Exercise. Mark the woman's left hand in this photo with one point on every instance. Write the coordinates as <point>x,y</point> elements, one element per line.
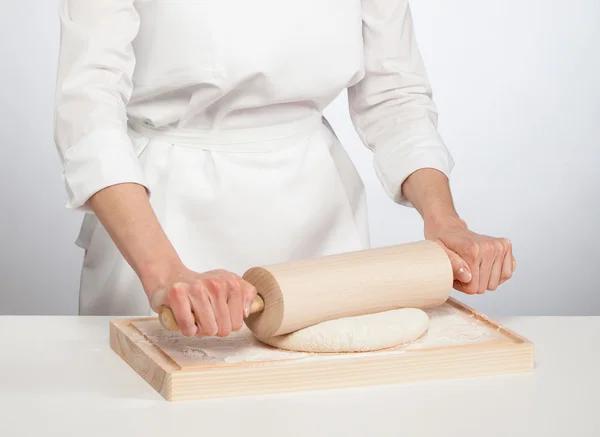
<point>479,262</point>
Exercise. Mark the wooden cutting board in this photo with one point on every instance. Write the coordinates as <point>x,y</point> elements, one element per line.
<point>460,342</point>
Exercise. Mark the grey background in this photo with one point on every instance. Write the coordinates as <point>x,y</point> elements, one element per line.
<point>517,84</point>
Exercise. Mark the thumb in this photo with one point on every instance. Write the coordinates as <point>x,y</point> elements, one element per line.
<point>460,268</point>
<point>157,300</point>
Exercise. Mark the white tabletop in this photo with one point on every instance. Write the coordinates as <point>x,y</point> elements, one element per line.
<point>58,376</point>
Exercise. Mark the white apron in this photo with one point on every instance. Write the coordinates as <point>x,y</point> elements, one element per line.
<point>216,108</point>
<point>232,200</point>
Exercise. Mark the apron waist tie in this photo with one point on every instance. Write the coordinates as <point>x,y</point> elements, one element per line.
<point>259,139</point>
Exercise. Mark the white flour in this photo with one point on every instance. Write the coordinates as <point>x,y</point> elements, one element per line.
<point>448,326</point>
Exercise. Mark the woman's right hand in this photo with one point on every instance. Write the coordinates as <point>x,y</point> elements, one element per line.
<point>210,303</point>
<point>205,304</point>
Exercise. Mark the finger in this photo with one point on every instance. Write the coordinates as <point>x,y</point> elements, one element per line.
<point>508,264</point>
<point>497,264</point>
<point>460,268</point>
<point>181,307</point>
<point>471,254</point>
<point>218,299</point>
<point>235,302</point>
<point>249,295</point>
<point>248,292</point>
<point>485,272</point>
<point>464,288</point>
<point>205,318</point>
<point>496,274</point>
<point>470,287</point>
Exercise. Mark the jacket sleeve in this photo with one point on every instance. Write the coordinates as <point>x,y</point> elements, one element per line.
<point>94,85</point>
<point>391,107</point>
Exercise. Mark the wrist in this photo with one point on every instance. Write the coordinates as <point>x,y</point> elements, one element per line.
<point>156,275</point>
<point>447,222</point>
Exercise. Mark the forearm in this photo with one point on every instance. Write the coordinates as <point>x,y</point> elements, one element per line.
<point>126,214</point>
<point>429,192</point>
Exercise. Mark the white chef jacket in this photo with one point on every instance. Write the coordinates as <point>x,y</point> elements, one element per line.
<point>204,70</point>
<point>212,64</point>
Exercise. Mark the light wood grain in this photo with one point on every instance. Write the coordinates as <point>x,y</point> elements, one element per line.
<point>306,292</point>
<point>330,371</point>
<point>145,358</point>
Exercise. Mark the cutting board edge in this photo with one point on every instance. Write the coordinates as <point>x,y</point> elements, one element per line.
<point>246,379</point>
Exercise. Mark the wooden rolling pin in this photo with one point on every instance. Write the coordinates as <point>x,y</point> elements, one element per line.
<point>299,294</point>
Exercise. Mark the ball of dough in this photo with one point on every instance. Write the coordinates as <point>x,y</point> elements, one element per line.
<point>356,334</point>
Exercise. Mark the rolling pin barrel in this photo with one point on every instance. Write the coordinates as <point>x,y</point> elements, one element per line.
<point>299,294</point>
<point>302,293</point>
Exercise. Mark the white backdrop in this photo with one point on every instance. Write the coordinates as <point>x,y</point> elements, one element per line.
<point>518,87</point>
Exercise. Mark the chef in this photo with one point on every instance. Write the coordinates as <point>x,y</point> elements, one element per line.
<point>191,134</point>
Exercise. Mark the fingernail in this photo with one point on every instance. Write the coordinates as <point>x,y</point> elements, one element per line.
<point>464,275</point>
<point>247,309</point>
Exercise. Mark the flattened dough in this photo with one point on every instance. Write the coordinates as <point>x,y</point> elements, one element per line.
<point>356,334</point>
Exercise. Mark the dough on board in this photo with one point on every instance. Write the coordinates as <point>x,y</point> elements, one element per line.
<point>356,334</point>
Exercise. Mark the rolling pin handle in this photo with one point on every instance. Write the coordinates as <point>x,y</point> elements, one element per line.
<point>257,305</point>
<point>167,319</point>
